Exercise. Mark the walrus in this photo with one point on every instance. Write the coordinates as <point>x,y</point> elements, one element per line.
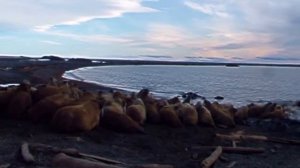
<point>241,114</point>
<point>277,111</point>
<point>6,95</point>
<point>113,107</point>
<point>204,115</point>
<point>111,97</point>
<point>85,96</point>
<point>20,101</point>
<point>169,116</point>
<point>228,108</point>
<point>255,110</point>
<point>136,110</point>
<point>44,110</point>
<point>151,105</point>
<point>152,112</point>
<point>220,114</point>
<point>75,118</point>
<point>119,121</point>
<point>174,100</point>
<point>143,93</point>
<point>46,90</point>
<point>187,113</point>
<point>120,97</point>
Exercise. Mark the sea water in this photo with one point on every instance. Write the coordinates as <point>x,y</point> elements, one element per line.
<point>238,85</point>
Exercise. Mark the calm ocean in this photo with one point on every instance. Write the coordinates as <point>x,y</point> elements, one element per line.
<point>239,85</point>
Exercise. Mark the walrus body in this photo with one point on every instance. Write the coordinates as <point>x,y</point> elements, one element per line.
<point>49,90</point>
<point>255,110</point>
<point>120,122</point>
<point>204,115</point>
<point>169,116</point>
<point>44,110</point>
<point>187,113</point>
<point>152,113</point>
<point>20,101</point>
<point>19,104</point>
<point>151,106</point>
<point>276,111</point>
<point>5,97</point>
<point>220,114</point>
<point>242,113</point>
<point>136,110</point>
<point>74,118</point>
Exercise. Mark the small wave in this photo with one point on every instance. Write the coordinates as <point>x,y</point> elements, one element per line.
<point>72,76</point>
<point>9,84</point>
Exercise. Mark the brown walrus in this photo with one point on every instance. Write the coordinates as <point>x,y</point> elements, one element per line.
<point>174,100</point>
<point>44,110</point>
<point>276,111</point>
<point>20,102</point>
<point>151,105</point>
<point>255,110</point>
<point>241,114</point>
<point>6,95</point>
<point>220,114</point>
<point>204,115</point>
<point>136,110</point>
<point>152,112</point>
<point>119,121</point>
<point>47,90</point>
<point>187,113</point>
<point>79,117</point>
<point>169,116</point>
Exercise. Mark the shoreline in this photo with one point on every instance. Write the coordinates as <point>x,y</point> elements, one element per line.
<point>160,144</point>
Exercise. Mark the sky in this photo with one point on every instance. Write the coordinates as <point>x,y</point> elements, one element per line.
<point>193,30</point>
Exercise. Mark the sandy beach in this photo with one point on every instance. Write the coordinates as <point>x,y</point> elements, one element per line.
<point>159,145</point>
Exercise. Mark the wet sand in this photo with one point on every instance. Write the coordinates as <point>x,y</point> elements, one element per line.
<point>160,144</point>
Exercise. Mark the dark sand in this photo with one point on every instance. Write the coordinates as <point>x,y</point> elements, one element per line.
<point>160,144</point>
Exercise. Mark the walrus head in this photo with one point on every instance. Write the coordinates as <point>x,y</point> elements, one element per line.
<point>25,85</point>
<point>143,93</point>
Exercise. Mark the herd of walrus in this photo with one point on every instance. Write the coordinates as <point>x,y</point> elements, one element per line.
<point>66,108</point>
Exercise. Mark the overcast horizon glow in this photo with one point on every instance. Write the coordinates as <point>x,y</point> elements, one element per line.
<point>193,30</point>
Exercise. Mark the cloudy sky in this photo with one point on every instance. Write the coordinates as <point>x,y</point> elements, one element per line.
<point>199,30</point>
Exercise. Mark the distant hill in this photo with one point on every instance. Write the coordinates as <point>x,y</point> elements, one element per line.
<point>53,58</point>
<point>80,60</point>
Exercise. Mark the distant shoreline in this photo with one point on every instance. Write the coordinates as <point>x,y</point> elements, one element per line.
<point>150,62</point>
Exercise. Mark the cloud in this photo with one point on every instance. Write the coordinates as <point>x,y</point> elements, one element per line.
<point>219,43</point>
<point>230,46</point>
<point>207,8</point>
<point>230,29</point>
<point>51,42</point>
<point>93,38</point>
<point>281,20</point>
<point>165,35</point>
<point>44,14</point>
<point>255,28</point>
<point>157,56</point>
<point>278,58</point>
